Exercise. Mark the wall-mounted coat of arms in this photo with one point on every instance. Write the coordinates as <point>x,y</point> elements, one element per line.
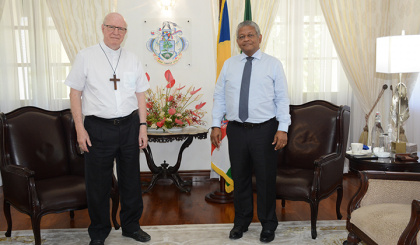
<point>167,44</point>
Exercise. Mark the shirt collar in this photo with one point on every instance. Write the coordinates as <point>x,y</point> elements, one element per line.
<point>109,50</point>
<point>257,55</point>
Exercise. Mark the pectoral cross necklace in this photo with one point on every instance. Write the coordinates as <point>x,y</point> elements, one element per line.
<point>113,79</point>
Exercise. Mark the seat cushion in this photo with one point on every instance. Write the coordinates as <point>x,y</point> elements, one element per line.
<point>294,183</point>
<point>62,193</point>
<point>383,223</point>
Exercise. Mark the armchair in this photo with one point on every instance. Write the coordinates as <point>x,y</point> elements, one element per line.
<point>41,166</point>
<point>385,210</point>
<point>310,167</point>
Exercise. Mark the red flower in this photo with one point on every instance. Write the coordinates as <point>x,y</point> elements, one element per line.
<point>172,111</point>
<point>168,76</point>
<point>171,83</point>
<point>149,105</point>
<point>199,106</point>
<point>170,98</point>
<point>179,121</point>
<point>148,77</point>
<point>195,91</point>
<point>161,123</point>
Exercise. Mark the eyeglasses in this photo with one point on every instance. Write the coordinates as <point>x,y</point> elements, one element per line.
<point>112,28</point>
<point>250,36</point>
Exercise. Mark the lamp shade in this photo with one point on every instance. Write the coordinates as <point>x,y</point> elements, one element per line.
<point>398,54</point>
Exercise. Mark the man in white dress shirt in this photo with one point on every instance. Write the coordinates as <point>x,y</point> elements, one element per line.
<point>107,87</point>
<point>253,137</point>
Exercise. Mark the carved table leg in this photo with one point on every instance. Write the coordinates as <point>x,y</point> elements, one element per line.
<point>165,172</point>
<point>156,171</point>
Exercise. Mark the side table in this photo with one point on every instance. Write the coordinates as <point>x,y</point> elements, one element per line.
<point>382,164</point>
<point>164,171</point>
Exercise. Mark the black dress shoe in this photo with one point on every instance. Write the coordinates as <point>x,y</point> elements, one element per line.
<point>139,235</point>
<point>267,235</point>
<point>96,242</point>
<point>237,232</point>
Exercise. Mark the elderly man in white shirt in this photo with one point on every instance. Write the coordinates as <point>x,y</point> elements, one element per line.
<point>107,87</point>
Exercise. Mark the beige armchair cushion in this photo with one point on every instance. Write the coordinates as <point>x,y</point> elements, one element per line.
<point>391,191</point>
<point>383,223</point>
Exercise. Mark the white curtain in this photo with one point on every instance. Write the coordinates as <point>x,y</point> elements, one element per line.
<point>79,22</point>
<point>354,26</point>
<point>2,2</point>
<point>33,64</point>
<point>301,40</point>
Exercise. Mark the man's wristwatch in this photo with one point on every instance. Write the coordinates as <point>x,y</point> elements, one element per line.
<point>215,127</point>
<point>143,123</point>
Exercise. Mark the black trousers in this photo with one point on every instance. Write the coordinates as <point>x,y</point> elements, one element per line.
<point>250,148</point>
<point>109,142</point>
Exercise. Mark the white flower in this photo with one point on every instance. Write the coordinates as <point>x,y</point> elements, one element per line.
<point>153,125</point>
<point>168,120</point>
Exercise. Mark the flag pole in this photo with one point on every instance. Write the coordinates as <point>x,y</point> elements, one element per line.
<point>220,196</point>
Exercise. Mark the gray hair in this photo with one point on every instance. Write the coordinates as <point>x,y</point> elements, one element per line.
<point>248,23</point>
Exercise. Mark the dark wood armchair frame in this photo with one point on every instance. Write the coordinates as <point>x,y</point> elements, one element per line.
<point>20,182</point>
<point>409,236</point>
<point>323,184</point>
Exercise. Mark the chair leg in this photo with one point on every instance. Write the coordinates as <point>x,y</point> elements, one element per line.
<point>339,199</point>
<point>352,239</point>
<point>283,203</point>
<point>6,210</point>
<point>314,215</point>
<point>36,227</point>
<point>115,197</point>
<point>72,215</point>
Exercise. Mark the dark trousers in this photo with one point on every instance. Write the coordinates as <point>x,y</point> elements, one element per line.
<point>250,148</point>
<point>109,142</point>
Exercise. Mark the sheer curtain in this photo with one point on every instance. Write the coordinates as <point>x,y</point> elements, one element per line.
<point>79,22</point>
<point>301,40</point>
<point>34,63</point>
<point>354,26</point>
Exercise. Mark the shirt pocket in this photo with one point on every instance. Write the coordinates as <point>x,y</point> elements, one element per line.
<point>129,82</point>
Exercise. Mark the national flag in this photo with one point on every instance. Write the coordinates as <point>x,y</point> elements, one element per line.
<point>220,157</point>
<point>248,14</point>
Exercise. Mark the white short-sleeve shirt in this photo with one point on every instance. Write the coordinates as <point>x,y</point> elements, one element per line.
<point>91,74</point>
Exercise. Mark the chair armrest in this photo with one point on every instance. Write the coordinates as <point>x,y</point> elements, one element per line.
<point>18,170</point>
<point>19,187</point>
<point>385,187</point>
<point>409,236</point>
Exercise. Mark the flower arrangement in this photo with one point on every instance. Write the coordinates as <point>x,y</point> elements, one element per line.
<point>169,107</point>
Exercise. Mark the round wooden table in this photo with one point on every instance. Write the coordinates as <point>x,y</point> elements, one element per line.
<point>382,164</point>
<point>164,171</point>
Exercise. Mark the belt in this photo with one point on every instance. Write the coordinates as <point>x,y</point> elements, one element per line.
<point>251,125</point>
<point>114,121</point>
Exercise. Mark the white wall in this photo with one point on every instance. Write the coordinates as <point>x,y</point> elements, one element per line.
<point>200,73</point>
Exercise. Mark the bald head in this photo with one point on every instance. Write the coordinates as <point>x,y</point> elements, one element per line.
<point>114,30</point>
<point>114,16</point>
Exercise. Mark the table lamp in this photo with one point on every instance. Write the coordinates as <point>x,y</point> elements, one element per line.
<point>398,54</point>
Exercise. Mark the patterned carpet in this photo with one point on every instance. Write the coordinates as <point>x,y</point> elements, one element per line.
<point>291,232</point>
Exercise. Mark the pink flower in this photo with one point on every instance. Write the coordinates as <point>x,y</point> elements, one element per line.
<point>199,106</point>
<point>195,91</point>
<point>171,111</point>
<point>170,98</point>
<point>179,88</point>
<point>178,121</point>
